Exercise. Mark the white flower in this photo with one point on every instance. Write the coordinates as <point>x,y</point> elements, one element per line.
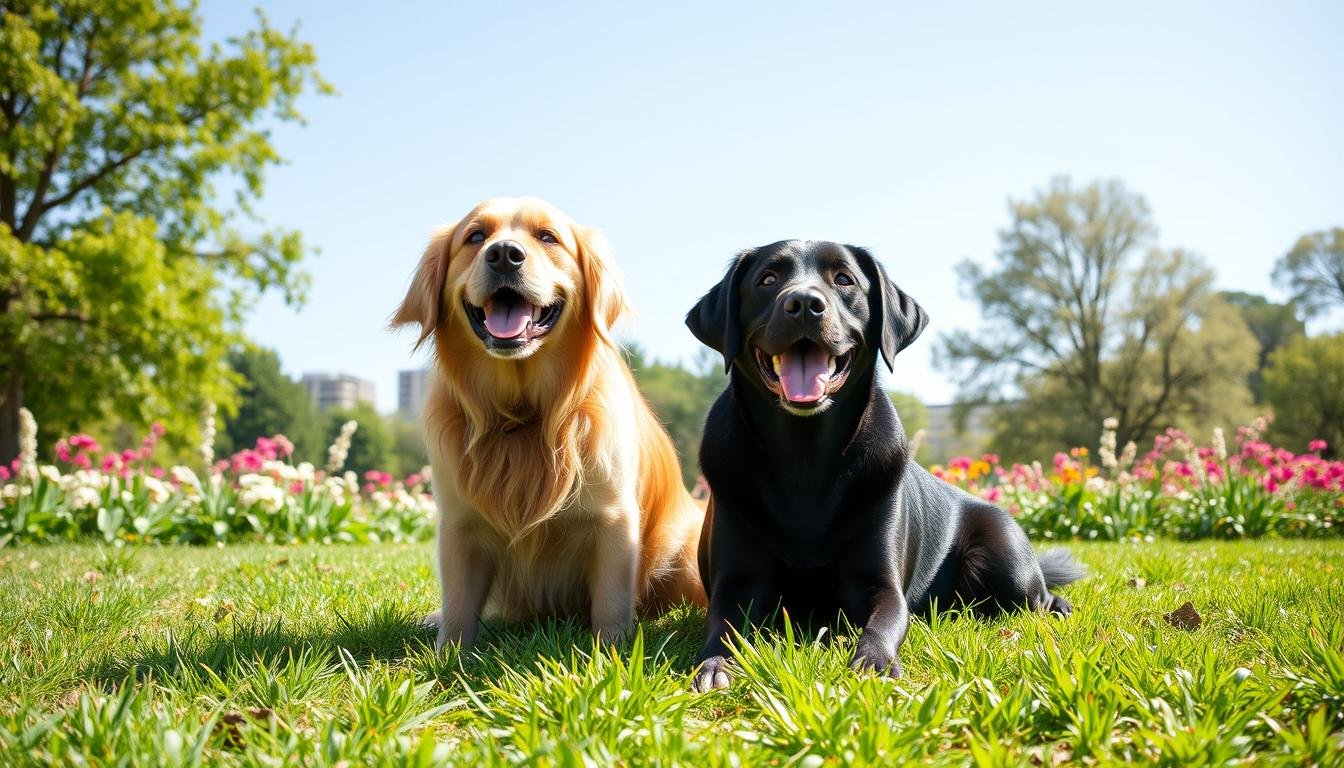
<point>52,474</point>
<point>27,444</point>
<point>1111,423</point>
<point>85,497</point>
<point>185,477</point>
<point>158,491</point>
<point>340,447</point>
<point>207,449</point>
<point>914,442</point>
<point>260,491</point>
<point>1219,444</point>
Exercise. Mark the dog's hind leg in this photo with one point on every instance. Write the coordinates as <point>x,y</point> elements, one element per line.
<point>1000,571</point>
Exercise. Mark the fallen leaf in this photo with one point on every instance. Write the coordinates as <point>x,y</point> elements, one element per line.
<point>222,612</point>
<point>1185,617</point>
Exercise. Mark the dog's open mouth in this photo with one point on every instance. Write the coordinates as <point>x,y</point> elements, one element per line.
<point>804,374</point>
<point>508,321</point>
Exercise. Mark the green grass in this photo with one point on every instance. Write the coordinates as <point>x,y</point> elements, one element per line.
<point>257,655</point>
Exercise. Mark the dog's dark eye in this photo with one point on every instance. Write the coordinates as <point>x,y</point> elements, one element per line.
<point>768,278</point>
<point>476,237</point>
<point>548,236</point>
<point>843,278</point>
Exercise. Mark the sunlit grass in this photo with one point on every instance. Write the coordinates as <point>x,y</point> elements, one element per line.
<point>313,655</point>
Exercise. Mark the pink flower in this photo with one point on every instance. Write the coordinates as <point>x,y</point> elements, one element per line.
<point>992,495</point>
<point>414,479</point>
<point>111,462</point>
<point>378,478</point>
<point>157,430</point>
<point>1316,445</point>
<point>85,443</point>
<point>296,487</point>
<point>157,472</point>
<point>266,447</point>
<point>1270,484</point>
<point>4,474</point>
<point>129,456</point>
<point>82,460</point>
<point>283,445</point>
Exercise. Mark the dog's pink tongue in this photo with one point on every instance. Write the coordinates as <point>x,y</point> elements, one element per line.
<point>804,373</point>
<point>507,319</point>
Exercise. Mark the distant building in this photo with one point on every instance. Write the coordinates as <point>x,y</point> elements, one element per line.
<point>411,389</point>
<point>943,441</point>
<point>337,390</point>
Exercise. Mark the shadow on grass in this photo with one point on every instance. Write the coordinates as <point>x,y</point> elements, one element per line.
<point>387,634</point>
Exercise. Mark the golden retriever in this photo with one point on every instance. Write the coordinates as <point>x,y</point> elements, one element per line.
<point>558,490</point>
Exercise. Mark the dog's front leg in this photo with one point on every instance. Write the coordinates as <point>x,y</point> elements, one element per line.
<point>883,633</point>
<point>613,571</point>
<point>466,571</point>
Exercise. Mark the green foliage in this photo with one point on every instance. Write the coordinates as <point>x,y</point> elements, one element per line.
<point>914,416</point>
<point>269,403</point>
<point>123,277</point>
<point>372,445</point>
<point>1087,326</point>
<point>1314,271</point>
<point>681,398</point>
<point>408,446</point>
<point>1304,384</point>
<point>314,655</point>
<point>1273,326</point>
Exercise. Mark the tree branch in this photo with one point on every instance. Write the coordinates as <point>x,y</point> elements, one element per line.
<point>68,315</point>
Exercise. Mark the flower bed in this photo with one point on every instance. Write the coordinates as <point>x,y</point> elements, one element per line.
<point>1177,489</point>
<point>255,495</point>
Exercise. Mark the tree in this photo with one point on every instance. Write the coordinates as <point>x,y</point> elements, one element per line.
<point>371,447</point>
<point>680,397</point>
<point>1304,383</point>
<point>1085,321</point>
<point>1273,325</point>
<point>408,446</point>
<point>123,277</point>
<point>269,403</point>
<point>1314,271</point>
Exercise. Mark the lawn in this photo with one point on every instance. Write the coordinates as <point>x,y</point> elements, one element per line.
<point>262,655</point>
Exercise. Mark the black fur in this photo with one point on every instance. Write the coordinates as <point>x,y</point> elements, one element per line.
<point>820,509</point>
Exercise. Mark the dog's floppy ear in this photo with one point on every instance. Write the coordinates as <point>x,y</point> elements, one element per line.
<point>424,297</point>
<point>902,319</point>
<point>715,317</point>
<point>603,294</point>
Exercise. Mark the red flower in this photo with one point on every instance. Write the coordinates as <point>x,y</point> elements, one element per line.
<point>1317,445</point>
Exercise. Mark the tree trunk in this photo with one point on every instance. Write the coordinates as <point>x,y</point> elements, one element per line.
<point>9,410</point>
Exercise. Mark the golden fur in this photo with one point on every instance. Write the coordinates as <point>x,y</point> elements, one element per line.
<point>559,491</point>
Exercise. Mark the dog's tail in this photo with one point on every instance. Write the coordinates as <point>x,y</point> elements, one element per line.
<point>1059,568</point>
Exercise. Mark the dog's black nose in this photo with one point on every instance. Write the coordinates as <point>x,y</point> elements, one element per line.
<point>505,256</point>
<point>805,300</point>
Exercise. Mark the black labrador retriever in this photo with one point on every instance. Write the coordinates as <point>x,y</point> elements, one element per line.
<point>817,506</point>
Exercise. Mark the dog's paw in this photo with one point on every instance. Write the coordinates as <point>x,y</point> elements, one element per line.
<point>713,673</point>
<point>612,634</point>
<point>431,620</point>
<point>1058,605</point>
<point>871,656</point>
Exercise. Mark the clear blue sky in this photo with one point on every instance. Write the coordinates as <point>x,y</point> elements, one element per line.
<point>689,131</point>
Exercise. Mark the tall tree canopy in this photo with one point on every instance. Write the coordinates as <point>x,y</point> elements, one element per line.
<point>270,403</point>
<point>1086,320</point>
<point>123,276</point>
<point>1273,326</point>
<point>1314,271</point>
<point>1305,385</point>
<point>680,397</point>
